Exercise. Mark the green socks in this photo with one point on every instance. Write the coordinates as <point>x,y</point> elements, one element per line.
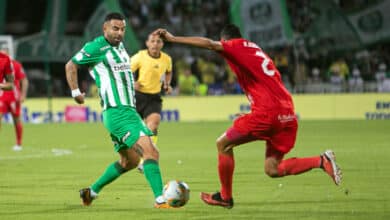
<point>112,172</point>
<point>153,176</point>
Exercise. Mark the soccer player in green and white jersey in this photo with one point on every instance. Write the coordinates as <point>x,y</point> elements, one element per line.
<point>108,64</point>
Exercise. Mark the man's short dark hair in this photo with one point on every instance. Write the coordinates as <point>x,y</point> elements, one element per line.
<point>230,31</point>
<point>114,16</point>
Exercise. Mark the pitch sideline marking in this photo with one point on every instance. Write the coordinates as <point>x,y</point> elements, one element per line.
<point>56,152</point>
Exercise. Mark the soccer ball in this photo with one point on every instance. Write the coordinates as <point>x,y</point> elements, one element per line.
<point>176,193</point>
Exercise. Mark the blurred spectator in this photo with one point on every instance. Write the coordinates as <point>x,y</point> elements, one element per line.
<point>231,85</point>
<point>355,82</point>
<point>283,61</point>
<point>336,81</point>
<point>300,76</point>
<point>188,83</point>
<point>195,70</point>
<point>339,68</point>
<point>315,76</point>
<point>382,77</point>
<point>221,76</point>
<point>208,70</point>
<point>314,84</point>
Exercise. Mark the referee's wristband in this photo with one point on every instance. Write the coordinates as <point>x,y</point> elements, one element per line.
<point>76,92</point>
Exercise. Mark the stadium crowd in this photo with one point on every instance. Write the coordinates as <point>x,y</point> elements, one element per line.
<point>200,72</point>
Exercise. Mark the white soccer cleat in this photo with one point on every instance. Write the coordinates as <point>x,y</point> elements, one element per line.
<point>140,168</point>
<point>17,148</point>
<point>330,167</point>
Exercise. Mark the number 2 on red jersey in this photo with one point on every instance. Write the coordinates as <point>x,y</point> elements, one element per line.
<point>264,64</point>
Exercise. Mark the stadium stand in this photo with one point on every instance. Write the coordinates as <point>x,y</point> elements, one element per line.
<point>305,62</point>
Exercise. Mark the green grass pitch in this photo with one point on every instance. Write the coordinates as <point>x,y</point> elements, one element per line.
<point>43,180</point>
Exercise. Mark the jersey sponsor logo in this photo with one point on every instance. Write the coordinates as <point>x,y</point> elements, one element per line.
<point>121,67</point>
<point>286,118</point>
<point>105,48</point>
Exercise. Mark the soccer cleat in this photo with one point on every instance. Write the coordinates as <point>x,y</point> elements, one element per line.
<point>86,197</point>
<point>328,164</point>
<point>216,199</point>
<point>17,148</point>
<point>162,205</point>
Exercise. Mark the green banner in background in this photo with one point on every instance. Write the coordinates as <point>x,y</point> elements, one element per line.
<point>51,45</point>
<point>372,24</point>
<point>265,22</point>
<point>330,29</point>
<point>60,48</point>
<point>55,19</point>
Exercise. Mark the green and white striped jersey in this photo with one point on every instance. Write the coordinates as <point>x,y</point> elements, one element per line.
<point>109,66</point>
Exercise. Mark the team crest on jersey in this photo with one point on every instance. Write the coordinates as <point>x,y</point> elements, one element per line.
<point>79,56</point>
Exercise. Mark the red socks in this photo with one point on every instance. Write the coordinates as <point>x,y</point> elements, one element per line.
<point>291,166</point>
<point>225,170</point>
<point>19,133</point>
<point>294,166</point>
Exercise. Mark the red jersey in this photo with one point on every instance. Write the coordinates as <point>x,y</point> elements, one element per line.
<point>19,74</point>
<point>257,75</point>
<point>5,66</point>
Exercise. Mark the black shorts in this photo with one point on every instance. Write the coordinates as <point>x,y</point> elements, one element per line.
<point>148,103</point>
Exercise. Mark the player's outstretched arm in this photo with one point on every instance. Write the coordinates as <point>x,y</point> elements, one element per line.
<point>202,42</point>
<point>71,78</point>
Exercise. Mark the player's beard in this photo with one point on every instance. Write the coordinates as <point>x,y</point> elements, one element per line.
<point>115,40</point>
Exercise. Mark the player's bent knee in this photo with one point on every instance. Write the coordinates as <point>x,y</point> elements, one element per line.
<point>151,155</point>
<point>221,145</point>
<point>128,165</point>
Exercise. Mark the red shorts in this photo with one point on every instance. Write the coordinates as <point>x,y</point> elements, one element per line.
<point>10,105</point>
<point>277,128</point>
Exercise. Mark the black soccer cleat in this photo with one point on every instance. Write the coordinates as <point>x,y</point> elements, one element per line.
<point>86,197</point>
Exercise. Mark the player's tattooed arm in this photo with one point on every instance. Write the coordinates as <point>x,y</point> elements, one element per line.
<point>71,78</point>
<point>9,82</point>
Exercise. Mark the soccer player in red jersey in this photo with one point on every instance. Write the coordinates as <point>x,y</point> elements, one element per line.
<point>271,118</point>
<point>10,101</point>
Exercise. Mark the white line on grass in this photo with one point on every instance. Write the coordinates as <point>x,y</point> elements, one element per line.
<point>56,152</point>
